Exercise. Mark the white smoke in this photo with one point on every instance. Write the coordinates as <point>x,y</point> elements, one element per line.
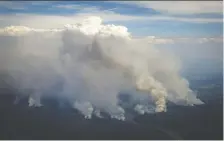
<point>34,100</point>
<point>97,113</point>
<point>142,109</point>
<point>85,107</point>
<point>89,64</point>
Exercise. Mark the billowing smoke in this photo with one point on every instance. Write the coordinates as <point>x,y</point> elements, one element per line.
<point>89,64</point>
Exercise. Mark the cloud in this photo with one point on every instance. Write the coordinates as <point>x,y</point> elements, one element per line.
<point>72,6</point>
<point>58,21</point>
<point>12,5</point>
<point>177,40</point>
<point>81,12</point>
<point>180,7</point>
<point>170,7</point>
<point>206,40</point>
<point>21,30</point>
<point>188,20</point>
<point>22,5</point>
<point>80,8</point>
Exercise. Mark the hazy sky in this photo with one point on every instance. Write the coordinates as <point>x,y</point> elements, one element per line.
<point>189,18</point>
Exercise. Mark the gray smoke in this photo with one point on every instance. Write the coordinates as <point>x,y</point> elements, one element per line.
<point>89,64</point>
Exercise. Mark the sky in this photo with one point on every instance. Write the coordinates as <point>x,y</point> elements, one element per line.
<point>199,20</point>
<point>164,19</point>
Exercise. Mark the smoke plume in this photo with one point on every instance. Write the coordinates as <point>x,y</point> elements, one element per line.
<point>89,64</point>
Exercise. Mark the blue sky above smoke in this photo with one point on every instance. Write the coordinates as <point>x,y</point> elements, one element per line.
<point>157,19</point>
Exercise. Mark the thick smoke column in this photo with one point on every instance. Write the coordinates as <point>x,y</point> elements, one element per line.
<point>89,64</point>
<point>155,88</point>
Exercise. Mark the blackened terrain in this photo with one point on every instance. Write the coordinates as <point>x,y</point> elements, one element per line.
<point>204,122</point>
